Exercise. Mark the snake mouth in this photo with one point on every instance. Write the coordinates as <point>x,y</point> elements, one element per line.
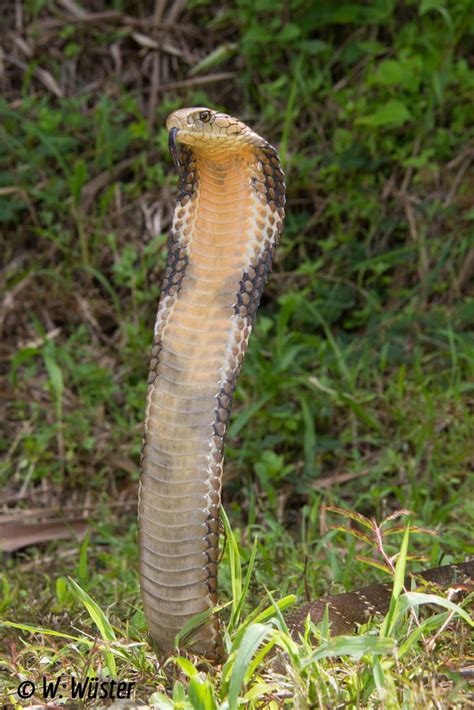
<point>174,148</point>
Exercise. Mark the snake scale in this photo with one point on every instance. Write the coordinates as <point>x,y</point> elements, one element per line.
<point>227,222</point>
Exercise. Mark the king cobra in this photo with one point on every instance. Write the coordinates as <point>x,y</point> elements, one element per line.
<point>227,222</point>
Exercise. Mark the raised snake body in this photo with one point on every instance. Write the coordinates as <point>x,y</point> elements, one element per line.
<point>226,224</point>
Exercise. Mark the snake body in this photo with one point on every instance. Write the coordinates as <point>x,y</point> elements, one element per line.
<point>227,222</point>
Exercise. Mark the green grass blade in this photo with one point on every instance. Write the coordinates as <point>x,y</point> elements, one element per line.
<point>46,632</point>
<point>276,608</point>
<point>235,569</point>
<point>248,576</point>
<point>201,694</point>
<point>398,582</point>
<point>95,612</point>
<point>354,646</point>
<point>191,626</point>
<point>411,600</point>
<point>253,637</point>
<point>186,666</point>
<point>100,620</point>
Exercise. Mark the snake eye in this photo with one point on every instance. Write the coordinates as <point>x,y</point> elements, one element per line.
<point>205,116</point>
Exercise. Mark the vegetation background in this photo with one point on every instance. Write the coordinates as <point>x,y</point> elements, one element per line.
<point>357,390</point>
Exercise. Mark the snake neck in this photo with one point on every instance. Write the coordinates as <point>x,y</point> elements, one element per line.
<point>226,224</point>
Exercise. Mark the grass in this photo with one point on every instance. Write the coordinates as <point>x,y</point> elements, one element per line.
<point>379,664</point>
<point>357,387</point>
